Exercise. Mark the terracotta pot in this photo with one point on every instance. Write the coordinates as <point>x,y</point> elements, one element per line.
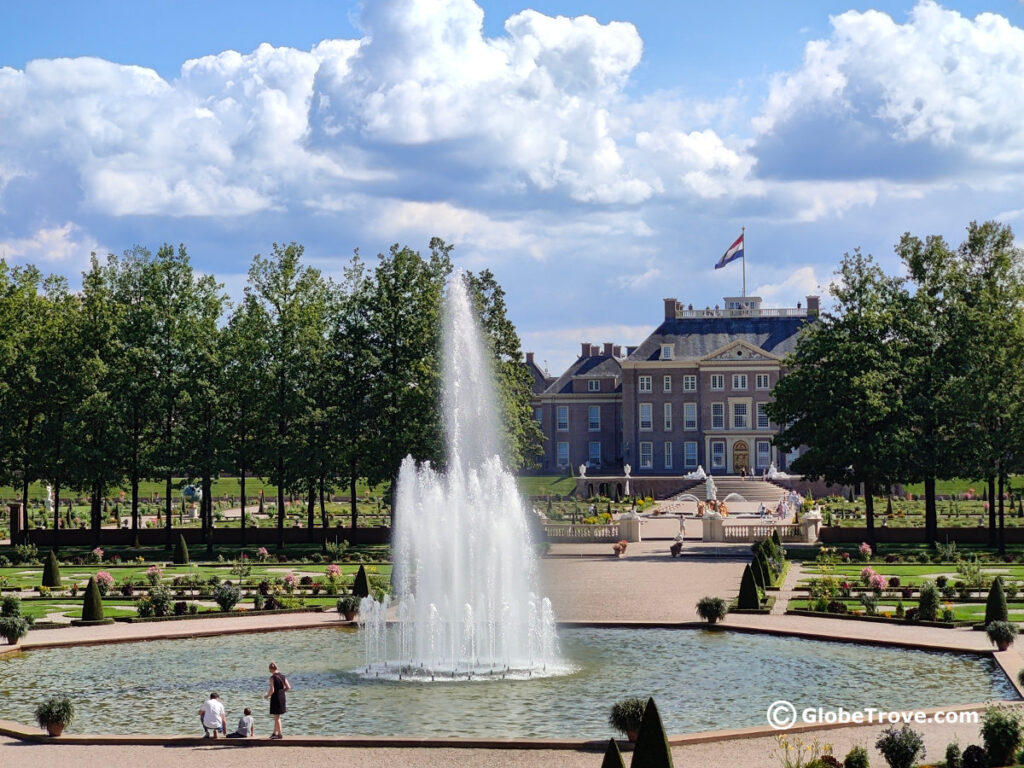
<point>1002,646</point>
<point>351,615</point>
<point>631,735</point>
<point>55,729</point>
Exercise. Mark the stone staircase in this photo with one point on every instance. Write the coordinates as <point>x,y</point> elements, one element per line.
<point>751,489</point>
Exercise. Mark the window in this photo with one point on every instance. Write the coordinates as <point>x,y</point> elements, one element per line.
<point>563,455</point>
<point>762,381</point>
<point>646,419</point>
<point>739,415</point>
<point>666,383</point>
<point>718,381</point>
<point>762,416</point>
<point>689,415</point>
<point>717,455</point>
<point>668,417</point>
<point>718,415</point>
<point>646,455</point>
<point>764,453</point>
<point>595,454</point>
<point>646,383</point>
<point>668,455</point>
<point>666,351</point>
<point>690,454</point>
<point>537,414</point>
<point>739,381</point>
<point>689,383</point>
<point>563,418</point>
<point>594,418</point>
<point>594,385</point>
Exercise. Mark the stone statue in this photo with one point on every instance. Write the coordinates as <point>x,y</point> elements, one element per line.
<point>583,470</point>
<point>49,499</point>
<point>626,469</point>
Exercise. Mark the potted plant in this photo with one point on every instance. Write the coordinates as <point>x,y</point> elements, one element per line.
<point>348,606</point>
<point>711,609</point>
<point>626,715</point>
<point>55,714</point>
<point>1001,633</point>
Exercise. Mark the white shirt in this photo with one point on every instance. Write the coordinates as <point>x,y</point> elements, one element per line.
<point>213,711</point>
<point>245,725</point>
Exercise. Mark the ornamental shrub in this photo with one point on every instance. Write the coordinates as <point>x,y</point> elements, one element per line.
<point>1002,734</point>
<point>227,596</point>
<point>612,756</point>
<point>902,748</point>
<point>995,606</point>
<point>51,571</point>
<point>361,586</point>
<point>92,603</point>
<point>181,551</point>
<point>975,757</point>
<point>928,603</point>
<point>857,757</point>
<point>651,750</point>
<point>160,599</point>
<point>953,757</point>
<point>13,628</point>
<point>749,596</point>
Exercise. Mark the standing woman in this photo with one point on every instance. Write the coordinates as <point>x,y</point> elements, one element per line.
<point>278,686</point>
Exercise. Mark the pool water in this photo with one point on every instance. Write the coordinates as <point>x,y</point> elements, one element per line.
<point>701,681</point>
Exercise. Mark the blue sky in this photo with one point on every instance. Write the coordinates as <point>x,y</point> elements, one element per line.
<point>597,156</point>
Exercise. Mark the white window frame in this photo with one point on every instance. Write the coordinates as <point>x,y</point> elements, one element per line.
<point>594,456</point>
<point>666,351</point>
<point>690,454</point>
<point>763,422</point>
<point>645,384</point>
<point>717,382</point>
<point>739,381</point>
<point>718,420</point>
<point>649,421</point>
<point>646,455</point>
<point>767,453</point>
<point>538,415</point>
<point>717,454</point>
<point>690,383</point>
<point>560,424</point>
<point>689,416</point>
<point>745,424</point>
<point>763,381</point>
<point>593,425</point>
<point>667,416</point>
<point>668,454</point>
<point>666,383</point>
<point>559,450</point>
<point>594,385</point>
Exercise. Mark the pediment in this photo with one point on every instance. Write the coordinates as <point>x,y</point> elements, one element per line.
<point>737,351</point>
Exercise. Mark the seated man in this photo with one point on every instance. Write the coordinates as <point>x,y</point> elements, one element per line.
<point>211,714</point>
<point>246,728</point>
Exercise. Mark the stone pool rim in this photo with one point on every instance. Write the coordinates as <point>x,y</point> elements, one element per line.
<point>1008,662</point>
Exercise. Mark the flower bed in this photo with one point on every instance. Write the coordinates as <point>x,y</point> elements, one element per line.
<point>218,615</point>
<point>766,606</point>
<point>877,619</point>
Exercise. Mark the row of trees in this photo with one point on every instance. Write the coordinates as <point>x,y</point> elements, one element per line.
<point>916,377</point>
<point>149,372</point>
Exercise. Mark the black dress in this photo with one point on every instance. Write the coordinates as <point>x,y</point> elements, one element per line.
<point>277,706</point>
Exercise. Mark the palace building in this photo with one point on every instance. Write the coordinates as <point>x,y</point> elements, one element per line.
<point>692,393</point>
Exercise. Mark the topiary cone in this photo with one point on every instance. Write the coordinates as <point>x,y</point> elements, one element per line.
<point>749,597</point>
<point>92,605</point>
<point>181,551</point>
<point>51,571</point>
<point>612,756</point>
<point>651,750</point>
<point>995,606</point>
<point>361,586</point>
<point>777,540</point>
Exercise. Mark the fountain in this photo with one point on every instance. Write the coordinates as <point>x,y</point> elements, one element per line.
<point>464,573</point>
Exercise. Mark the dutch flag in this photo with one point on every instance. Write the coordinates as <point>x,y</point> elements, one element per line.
<point>735,252</point>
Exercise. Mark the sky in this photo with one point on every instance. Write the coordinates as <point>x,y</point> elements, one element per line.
<point>597,156</point>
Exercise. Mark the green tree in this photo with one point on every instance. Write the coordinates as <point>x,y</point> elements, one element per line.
<point>840,401</point>
<point>995,605</point>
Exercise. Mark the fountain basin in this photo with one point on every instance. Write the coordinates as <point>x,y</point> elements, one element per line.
<point>701,680</point>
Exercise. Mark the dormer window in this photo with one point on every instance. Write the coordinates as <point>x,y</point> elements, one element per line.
<point>666,351</point>
<point>594,385</point>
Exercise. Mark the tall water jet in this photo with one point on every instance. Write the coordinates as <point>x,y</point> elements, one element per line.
<point>465,576</point>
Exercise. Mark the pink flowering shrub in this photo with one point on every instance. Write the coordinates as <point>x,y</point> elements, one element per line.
<point>104,581</point>
<point>877,583</point>
<point>290,582</point>
<point>864,550</point>
<point>866,574</point>
<point>154,574</point>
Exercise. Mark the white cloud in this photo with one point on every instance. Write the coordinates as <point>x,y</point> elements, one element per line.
<point>641,280</point>
<point>556,348</point>
<point>65,248</point>
<point>796,287</point>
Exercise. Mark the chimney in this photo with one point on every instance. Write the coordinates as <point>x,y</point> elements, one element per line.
<point>813,305</point>
<point>607,349</point>
<point>594,350</point>
<point>670,309</point>
<point>529,358</point>
<point>617,351</point>
<point>585,349</point>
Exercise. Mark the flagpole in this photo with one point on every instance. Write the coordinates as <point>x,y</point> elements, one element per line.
<point>743,234</point>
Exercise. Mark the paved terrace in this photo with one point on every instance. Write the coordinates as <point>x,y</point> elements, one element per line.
<point>586,584</point>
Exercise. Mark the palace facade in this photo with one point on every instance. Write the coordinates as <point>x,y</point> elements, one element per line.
<point>693,393</point>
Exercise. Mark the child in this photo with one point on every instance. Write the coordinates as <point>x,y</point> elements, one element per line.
<point>245,726</point>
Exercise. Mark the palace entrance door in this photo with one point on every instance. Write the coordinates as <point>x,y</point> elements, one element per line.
<point>740,457</point>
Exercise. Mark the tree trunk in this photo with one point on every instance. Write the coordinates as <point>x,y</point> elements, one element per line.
<point>167,510</point>
<point>992,510</point>
<point>1002,524</point>
<point>931,513</point>
<point>280,502</point>
<point>869,514</point>
<point>24,506</point>
<point>353,503</point>
<point>241,481</point>
<point>324,520</point>
<point>56,517</point>
<point>311,512</point>
<point>96,508</point>
<point>208,501</point>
